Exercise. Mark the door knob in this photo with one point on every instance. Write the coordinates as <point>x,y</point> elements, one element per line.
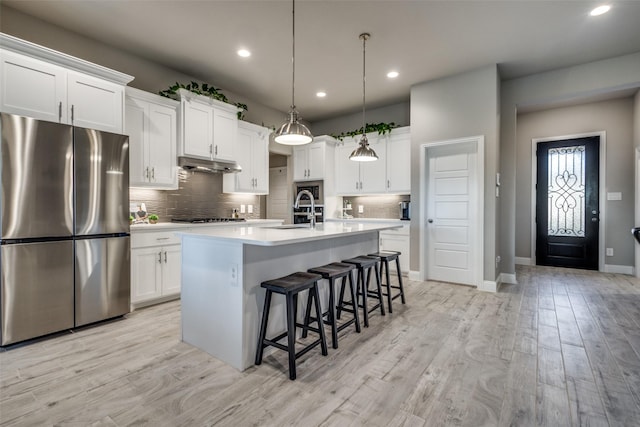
<point>429,220</point>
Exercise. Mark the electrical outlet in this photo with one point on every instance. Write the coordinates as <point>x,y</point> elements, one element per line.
<point>498,259</point>
<point>609,251</point>
<point>250,209</point>
<point>233,274</point>
<point>360,209</point>
<point>242,208</point>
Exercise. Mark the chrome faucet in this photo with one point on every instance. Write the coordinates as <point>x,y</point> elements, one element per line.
<point>312,214</point>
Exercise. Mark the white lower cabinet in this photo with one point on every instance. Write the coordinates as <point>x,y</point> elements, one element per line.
<point>155,267</point>
<point>397,240</point>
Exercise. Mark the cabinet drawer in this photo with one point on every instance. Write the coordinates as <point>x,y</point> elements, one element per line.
<point>161,238</point>
<point>404,231</point>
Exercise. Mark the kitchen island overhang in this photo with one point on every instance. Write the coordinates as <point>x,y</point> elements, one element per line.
<point>222,270</point>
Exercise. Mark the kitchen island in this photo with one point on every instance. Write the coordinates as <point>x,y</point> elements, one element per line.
<point>222,270</point>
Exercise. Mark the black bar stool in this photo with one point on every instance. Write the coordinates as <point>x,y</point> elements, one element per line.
<point>290,286</point>
<point>385,257</point>
<point>364,264</point>
<point>331,272</point>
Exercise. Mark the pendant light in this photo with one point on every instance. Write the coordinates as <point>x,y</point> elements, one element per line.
<point>292,132</point>
<point>364,153</point>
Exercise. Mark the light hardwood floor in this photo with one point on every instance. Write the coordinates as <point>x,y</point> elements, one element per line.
<point>560,348</point>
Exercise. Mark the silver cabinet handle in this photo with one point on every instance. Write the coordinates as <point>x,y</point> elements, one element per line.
<point>356,185</point>
<point>162,238</point>
<point>160,257</point>
<point>60,112</point>
<point>388,184</point>
<point>153,173</point>
<point>215,151</point>
<point>165,257</point>
<point>72,114</point>
<point>146,172</point>
<point>211,151</point>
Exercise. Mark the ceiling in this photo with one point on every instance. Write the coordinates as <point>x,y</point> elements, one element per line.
<point>422,40</point>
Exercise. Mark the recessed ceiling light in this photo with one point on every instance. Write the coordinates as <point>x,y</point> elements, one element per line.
<point>321,94</point>
<point>392,74</point>
<point>244,53</point>
<point>600,10</point>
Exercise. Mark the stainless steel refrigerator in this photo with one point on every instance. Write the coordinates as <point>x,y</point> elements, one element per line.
<point>64,209</point>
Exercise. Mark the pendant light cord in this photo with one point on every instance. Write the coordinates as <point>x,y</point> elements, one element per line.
<point>293,58</point>
<point>364,37</point>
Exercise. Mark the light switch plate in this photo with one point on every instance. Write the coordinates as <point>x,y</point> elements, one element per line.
<point>360,209</point>
<point>241,208</point>
<point>609,251</point>
<point>614,196</point>
<point>250,209</point>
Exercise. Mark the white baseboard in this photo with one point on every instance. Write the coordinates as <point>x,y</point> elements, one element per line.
<point>508,278</point>
<point>415,275</point>
<point>522,260</point>
<point>620,269</point>
<point>489,286</point>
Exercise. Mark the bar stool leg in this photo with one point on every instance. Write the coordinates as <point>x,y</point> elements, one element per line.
<point>307,316</point>
<point>354,299</point>
<point>291,335</point>
<point>400,279</point>
<point>385,264</point>
<point>263,327</point>
<point>341,300</point>
<point>364,289</point>
<point>332,313</point>
<point>376,269</point>
<point>323,338</point>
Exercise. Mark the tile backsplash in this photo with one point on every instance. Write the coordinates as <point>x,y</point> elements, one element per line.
<point>376,206</point>
<point>199,195</point>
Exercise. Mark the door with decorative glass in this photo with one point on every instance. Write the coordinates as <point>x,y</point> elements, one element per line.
<point>567,212</point>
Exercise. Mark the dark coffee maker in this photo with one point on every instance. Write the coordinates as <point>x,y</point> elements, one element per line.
<point>405,210</point>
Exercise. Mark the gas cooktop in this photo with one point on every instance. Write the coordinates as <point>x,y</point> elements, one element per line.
<point>206,220</point>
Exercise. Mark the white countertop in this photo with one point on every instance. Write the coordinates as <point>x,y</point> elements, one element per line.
<point>267,236</point>
<point>166,226</point>
<point>374,220</point>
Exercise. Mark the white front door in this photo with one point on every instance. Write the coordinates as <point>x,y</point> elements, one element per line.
<point>451,212</point>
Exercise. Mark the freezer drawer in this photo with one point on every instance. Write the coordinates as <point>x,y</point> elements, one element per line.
<point>103,278</point>
<point>36,301</point>
<point>37,178</point>
<point>102,182</point>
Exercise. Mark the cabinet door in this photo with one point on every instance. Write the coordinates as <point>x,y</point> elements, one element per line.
<point>400,243</point>
<point>399,164</point>
<point>373,174</point>
<point>300,167</point>
<point>315,160</point>
<point>225,127</point>
<point>197,127</point>
<point>94,103</point>
<point>32,88</point>
<point>347,171</point>
<point>260,161</point>
<point>162,146</point>
<point>171,270</point>
<point>146,270</point>
<point>136,127</point>
<point>244,179</point>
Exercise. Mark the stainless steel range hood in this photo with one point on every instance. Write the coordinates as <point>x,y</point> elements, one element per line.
<point>209,166</point>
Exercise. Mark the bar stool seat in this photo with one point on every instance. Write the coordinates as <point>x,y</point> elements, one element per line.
<point>364,264</point>
<point>385,257</point>
<point>332,272</point>
<point>290,286</point>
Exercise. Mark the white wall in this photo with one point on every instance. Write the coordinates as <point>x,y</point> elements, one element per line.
<point>572,83</point>
<point>455,107</point>
<point>636,137</point>
<point>397,113</point>
<point>615,117</point>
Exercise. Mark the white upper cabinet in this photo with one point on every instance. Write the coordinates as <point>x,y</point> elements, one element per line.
<point>209,127</point>
<point>47,85</point>
<point>151,123</point>
<point>391,173</point>
<point>309,161</point>
<point>252,153</point>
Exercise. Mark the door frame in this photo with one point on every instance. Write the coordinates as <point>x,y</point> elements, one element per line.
<point>601,191</point>
<point>637,213</point>
<point>478,247</point>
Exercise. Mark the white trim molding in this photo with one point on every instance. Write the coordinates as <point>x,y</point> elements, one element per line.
<point>508,278</point>
<point>620,269</point>
<point>415,275</point>
<point>523,261</point>
<point>489,286</point>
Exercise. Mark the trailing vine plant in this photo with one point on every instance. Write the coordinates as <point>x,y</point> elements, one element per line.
<point>381,128</point>
<point>205,90</point>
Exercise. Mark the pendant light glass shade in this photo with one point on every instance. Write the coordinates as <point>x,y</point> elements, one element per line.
<point>364,153</point>
<point>292,132</point>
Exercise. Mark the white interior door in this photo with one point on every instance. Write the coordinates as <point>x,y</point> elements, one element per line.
<point>452,205</point>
